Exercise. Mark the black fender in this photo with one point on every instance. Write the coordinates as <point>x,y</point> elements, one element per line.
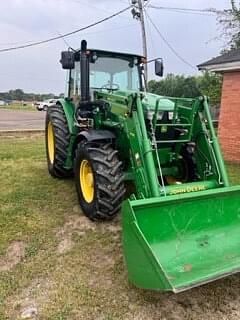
<point>92,135</point>
<point>96,135</point>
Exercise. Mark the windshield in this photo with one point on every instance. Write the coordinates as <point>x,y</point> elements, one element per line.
<point>114,73</point>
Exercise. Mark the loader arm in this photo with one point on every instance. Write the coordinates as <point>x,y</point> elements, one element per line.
<point>147,150</point>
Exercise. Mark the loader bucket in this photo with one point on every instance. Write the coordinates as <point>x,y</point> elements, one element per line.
<point>174,243</point>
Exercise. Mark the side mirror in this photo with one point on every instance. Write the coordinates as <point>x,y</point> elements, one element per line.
<point>67,60</point>
<point>159,67</point>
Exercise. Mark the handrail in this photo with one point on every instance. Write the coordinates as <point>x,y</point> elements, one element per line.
<point>173,125</point>
<point>216,147</point>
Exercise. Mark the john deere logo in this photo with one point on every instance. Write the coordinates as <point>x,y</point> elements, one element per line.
<point>188,189</point>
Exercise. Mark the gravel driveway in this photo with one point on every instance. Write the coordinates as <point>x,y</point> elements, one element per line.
<point>21,120</point>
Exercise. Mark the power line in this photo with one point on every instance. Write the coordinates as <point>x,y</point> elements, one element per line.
<point>168,44</point>
<point>64,40</point>
<point>183,9</point>
<point>66,34</point>
<point>147,3</point>
<point>187,12</point>
<point>85,33</point>
<point>150,36</point>
<point>206,12</point>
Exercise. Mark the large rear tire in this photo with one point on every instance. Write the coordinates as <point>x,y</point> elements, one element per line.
<point>190,169</point>
<point>57,139</point>
<point>187,167</point>
<point>99,180</point>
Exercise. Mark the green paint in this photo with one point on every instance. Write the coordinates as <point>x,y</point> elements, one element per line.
<point>69,109</point>
<point>178,242</point>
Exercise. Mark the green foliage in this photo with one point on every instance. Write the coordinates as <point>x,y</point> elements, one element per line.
<point>19,94</point>
<point>175,86</point>
<point>230,21</point>
<point>208,84</point>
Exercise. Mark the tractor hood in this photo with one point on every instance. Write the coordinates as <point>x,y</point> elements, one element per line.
<point>149,103</point>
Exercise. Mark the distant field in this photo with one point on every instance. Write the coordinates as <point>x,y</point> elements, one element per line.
<point>16,106</point>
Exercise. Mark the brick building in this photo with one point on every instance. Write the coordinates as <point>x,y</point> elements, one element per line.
<point>229,123</point>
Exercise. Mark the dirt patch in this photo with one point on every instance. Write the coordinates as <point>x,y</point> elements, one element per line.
<point>14,254</point>
<point>30,301</point>
<point>79,224</point>
<point>75,224</point>
<point>65,245</point>
<point>100,275</point>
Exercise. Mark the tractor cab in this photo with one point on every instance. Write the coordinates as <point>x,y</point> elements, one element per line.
<point>91,70</point>
<point>115,71</point>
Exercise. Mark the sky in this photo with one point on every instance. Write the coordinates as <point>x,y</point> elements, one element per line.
<point>196,38</point>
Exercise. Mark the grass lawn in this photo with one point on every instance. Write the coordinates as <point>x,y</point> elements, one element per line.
<point>234,172</point>
<point>55,261</point>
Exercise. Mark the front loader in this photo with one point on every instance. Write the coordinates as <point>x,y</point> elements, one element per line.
<point>181,221</point>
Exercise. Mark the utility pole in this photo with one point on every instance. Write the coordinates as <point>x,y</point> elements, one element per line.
<point>138,13</point>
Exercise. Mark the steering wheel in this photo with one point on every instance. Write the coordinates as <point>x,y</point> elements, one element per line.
<point>110,86</point>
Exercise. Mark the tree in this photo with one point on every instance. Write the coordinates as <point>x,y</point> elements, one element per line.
<point>230,21</point>
<point>19,94</point>
<point>208,84</point>
<point>175,86</point>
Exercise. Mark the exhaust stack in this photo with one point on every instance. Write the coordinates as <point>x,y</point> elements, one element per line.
<point>84,69</point>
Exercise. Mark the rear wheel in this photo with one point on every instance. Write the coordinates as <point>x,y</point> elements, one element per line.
<point>99,180</point>
<point>57,139</point>
<point>189,165</point>
<point>187,168</point>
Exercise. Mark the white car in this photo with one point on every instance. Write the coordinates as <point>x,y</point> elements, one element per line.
<point>43,105</point>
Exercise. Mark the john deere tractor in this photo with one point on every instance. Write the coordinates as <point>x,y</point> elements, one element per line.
<point>181,220</point>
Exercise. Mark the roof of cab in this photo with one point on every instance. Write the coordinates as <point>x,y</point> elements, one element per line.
<point>110,53</point>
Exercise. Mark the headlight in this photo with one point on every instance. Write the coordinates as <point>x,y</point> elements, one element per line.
<point>151,113</point>
<point>170,115</point>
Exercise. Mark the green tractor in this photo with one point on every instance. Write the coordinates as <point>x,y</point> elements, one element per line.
<point>181,221</point>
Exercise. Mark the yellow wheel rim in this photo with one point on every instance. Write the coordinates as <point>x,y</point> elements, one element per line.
<point>51,143</point>
<point>86,181</point>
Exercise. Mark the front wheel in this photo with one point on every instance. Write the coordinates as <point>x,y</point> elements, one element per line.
<point>99,180</point>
